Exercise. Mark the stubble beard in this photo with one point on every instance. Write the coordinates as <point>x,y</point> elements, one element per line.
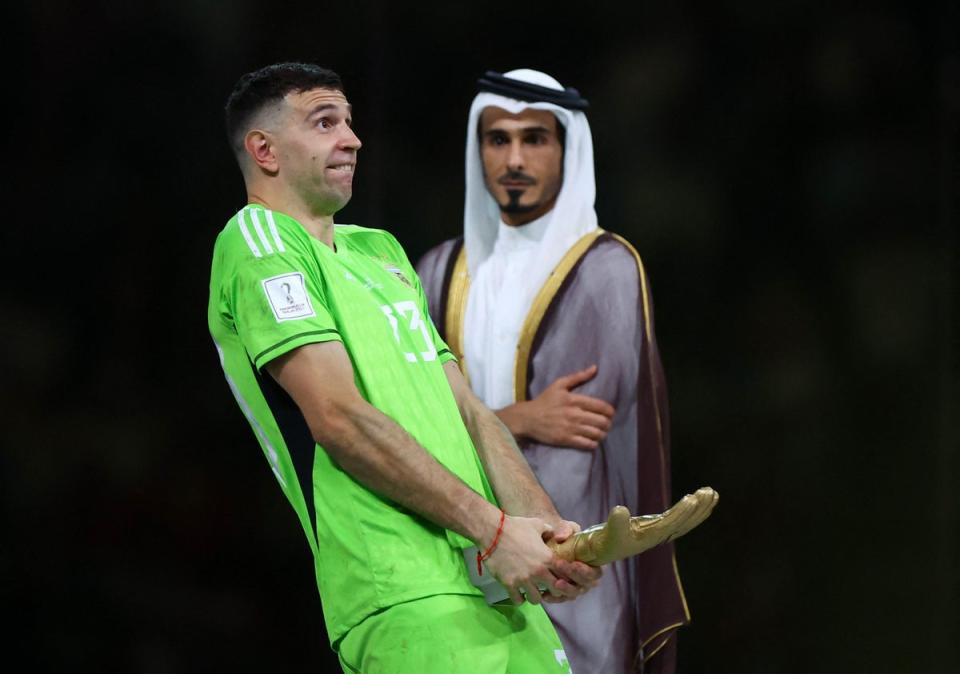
<point>330,200</point>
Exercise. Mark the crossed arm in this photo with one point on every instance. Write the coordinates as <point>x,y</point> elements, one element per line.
<point>381,455</point>
<point>560,417</point>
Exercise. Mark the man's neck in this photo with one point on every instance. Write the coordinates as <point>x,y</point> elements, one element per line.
<point>319,226</point>
<point>518,219</point>
<point>515,237</point>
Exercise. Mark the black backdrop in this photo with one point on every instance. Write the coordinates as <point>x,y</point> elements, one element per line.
<point>788,172</point>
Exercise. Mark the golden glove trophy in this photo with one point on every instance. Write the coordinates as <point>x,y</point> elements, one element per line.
<point>623,536</point>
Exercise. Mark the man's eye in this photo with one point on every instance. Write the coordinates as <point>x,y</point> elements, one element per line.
<point>324,123</point>
<point>536,139</point>
<point>498,140</point>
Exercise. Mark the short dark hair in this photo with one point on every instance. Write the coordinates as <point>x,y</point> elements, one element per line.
<point>268,85</point>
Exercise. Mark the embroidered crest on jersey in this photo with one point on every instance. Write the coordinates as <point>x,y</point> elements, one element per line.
<point>288,297</point>
<point>399,274</point>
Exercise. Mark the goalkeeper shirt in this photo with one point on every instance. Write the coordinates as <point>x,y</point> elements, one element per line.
<point>273,288</point>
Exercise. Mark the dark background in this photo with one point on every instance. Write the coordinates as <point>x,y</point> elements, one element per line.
<point>788,170</point>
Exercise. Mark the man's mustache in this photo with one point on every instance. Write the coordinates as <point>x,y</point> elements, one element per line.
<point>516,177</point>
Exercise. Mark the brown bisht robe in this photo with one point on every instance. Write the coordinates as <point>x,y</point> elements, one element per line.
<point>594,308</point>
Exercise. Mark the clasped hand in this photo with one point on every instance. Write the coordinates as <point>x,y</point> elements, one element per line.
<point>525,566</point>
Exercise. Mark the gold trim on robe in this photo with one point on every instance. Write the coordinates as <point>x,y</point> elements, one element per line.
<point>538,309</point>
<point>457,308</point>
<point>648,333</point>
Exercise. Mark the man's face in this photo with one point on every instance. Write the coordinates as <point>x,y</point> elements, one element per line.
<point>317,148</point>
<point>522,162</point>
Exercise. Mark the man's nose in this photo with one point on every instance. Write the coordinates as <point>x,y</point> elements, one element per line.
<point>515,159</point>
<point>349,140</point>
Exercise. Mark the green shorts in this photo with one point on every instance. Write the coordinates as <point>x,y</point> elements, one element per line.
<point>452,633</point>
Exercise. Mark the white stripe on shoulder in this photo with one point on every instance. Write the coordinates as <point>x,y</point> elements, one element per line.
<point>246,234</point>
<point>263,237</point>
<point>273,230</point>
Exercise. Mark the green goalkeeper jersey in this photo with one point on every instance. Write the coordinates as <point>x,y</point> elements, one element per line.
<point>273,288</point>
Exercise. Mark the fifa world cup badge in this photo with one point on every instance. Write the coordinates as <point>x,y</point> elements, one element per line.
<point>399,274</point>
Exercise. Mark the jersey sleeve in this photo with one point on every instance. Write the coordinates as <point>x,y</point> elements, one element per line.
<point>278,302</point>
<point>444,354</point>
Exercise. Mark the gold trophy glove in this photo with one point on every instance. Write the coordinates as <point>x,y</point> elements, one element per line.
<point>623,536</point>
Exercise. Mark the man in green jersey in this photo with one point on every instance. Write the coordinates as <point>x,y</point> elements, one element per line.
<point>395,469</point>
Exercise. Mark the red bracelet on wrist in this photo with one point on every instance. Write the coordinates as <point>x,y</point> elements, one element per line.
<point>493,546</point>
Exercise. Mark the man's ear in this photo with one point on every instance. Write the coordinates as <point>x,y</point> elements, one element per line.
<point>259,146</point>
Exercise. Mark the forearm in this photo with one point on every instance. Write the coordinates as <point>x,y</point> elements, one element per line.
<point>559,417</point>
<point>513,481</point>
<point>381,455</point>
<point>513,418</point>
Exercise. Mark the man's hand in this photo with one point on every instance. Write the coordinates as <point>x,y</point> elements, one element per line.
<point>575,576</point>
<point>560,417</point>
<point>524,564</point>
